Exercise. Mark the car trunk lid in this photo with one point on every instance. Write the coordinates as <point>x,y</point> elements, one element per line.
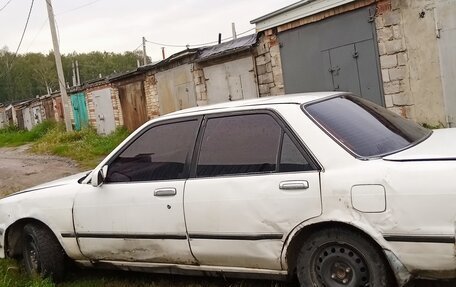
<point>441,145</point>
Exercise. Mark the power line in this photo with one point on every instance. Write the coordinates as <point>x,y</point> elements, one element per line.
<point>78,7</point>
<point>140,45</point>
<point>36,35</point>
<point>4,6</point>
<point>196,45</point>
<point>25,28</point>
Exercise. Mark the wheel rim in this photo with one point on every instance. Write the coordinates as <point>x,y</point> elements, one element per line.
<point>32,256</point>
<point>340,265</point>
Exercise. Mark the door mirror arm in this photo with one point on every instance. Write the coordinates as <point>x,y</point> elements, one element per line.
<point>99,176</point>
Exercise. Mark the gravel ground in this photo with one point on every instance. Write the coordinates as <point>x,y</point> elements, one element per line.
<point>20,169</point>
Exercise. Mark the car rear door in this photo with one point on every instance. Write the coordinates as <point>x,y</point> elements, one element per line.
<point>137,214</point>
<point>252,183</point>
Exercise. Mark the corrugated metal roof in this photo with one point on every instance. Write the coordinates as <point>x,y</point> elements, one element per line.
<point>233,46</point>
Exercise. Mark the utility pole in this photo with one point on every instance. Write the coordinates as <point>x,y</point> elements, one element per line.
<point>163,53</point>
<point>58,63</point>
<point>233,29</point>
<point>144,51</point>
<point>74,73</point>
<point>78,79</point>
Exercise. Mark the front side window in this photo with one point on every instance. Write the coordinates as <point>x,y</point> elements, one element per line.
<point>158,154</point>
<point>247,144</point>
<point>368,130</point>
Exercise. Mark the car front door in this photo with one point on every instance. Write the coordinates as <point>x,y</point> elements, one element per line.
<point>252,183</point>
<point>137,214</point>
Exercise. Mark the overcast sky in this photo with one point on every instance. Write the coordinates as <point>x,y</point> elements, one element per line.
<point>118,25</point>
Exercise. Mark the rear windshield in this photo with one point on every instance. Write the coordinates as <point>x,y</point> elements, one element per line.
<point>365,128</point>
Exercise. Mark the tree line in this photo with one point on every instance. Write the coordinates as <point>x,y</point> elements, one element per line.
<point>27,75</point>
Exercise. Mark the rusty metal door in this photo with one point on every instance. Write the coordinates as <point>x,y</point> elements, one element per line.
<point>48,109</point>
<point>9,116</point>
<point>231,81</point>
<point>20,119</point>
<point>58,108</point>
<point>133,103</point>
<point>104,113</point>
<point>176,90</point>
<point>446,23</point>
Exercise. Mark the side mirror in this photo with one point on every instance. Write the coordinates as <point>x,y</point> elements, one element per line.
<point>99,176</point>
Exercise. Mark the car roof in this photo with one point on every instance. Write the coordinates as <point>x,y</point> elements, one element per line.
<point>300,98</point>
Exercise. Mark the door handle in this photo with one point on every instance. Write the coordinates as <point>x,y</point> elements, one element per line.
<point>294,184</point>
<point>165,192</point>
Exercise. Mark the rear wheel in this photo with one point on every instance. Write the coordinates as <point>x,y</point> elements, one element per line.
<point>337,257</point>
<point>43,256</point>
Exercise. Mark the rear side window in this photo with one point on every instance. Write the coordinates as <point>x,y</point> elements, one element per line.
<point>158,154</point>
<point>291,158</point>
<point>365,128</point>
<point>247,144</point>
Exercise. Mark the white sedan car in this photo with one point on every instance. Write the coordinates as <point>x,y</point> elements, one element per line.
<point>326,186</point>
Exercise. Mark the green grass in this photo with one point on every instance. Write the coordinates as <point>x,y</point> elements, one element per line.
<point>13,275</point>
<point>12,136</point>
<point>86,146</point>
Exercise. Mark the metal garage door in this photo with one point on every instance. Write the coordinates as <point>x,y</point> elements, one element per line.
<point>133,104</point>
<point>176,90</point>
<point>104,113</point>
<point>81,117</point>
<point>231,81</point>
<point>338,53</point>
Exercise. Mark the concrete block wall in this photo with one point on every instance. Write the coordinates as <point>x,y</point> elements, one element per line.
<point>409,59</point>
<point>152,99</point>
<point>393,59</point>
<point>118,117</point>
<point>200,85</point>
<point>115,105</point>
<point>91,108</point>
<point>268,65</point>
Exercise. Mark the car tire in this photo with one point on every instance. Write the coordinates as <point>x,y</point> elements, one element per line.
<point>42,254</point>
<point>337,257</point>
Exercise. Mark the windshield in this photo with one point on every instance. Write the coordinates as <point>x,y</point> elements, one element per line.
<point>368,130</point>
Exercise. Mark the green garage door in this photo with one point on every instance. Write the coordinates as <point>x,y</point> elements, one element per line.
<point>81,118</point>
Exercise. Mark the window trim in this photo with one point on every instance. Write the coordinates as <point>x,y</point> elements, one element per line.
<point>188,159</point>
<point>347,149</point>
<point>316,167</point>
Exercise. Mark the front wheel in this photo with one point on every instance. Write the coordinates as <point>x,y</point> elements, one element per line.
<point>42,253</point>
<point>337,257</point>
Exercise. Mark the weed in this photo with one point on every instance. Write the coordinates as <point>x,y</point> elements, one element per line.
<point>12,136</point>
<point>86,146</point>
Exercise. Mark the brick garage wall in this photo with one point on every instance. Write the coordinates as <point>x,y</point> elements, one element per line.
<point>268,65</point>
<point>118,117</point>
<point>393,59</point>
<point>200,85</point>
<point>151,93</point>
<point>91,107</point>
<point>409,59</point>
<point>268,62</point>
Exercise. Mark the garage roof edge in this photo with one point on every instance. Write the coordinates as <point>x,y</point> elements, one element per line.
<point>295,11</point>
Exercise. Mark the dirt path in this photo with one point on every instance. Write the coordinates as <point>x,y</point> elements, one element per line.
<point>20,169</point>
